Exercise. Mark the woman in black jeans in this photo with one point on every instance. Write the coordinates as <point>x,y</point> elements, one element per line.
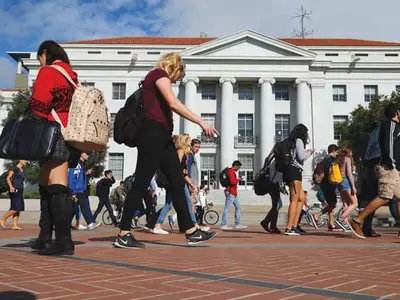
<point>157,150</point>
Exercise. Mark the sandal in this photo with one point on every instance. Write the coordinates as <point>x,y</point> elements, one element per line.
<point>16,228</point>
<point>3,224</point>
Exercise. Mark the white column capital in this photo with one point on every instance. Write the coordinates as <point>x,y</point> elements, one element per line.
<point>227,79</point>
<point>302,80</point>
<point>266,80</point>
<point>187,79</point>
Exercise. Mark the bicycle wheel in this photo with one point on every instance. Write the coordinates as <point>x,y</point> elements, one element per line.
<point>211,217</point>
<point>322,220</point>
<point>106,218</point>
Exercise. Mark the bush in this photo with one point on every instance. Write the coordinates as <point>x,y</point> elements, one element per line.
<point>31,195</point>
<point>92,189</point>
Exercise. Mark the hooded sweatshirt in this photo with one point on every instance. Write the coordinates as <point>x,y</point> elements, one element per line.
<point>52,90</point>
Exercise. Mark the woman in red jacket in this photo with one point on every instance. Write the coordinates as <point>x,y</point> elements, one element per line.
<point>51,90</point>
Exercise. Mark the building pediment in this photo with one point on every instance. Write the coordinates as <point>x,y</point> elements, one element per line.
<point>248,44</point>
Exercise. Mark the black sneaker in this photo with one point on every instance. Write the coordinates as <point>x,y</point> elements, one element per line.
<point>128,241</point>
<point>299,230</point>
<point>199,237</point>
<point>291,232</point>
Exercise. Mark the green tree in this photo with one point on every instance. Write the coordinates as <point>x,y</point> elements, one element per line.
<point>362,119</point>
<point>32,171</point>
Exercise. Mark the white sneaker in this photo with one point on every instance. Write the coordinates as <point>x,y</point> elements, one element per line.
<point>159,231</point>
<point>115,213</point>
<point>240,226</point>
<point>226,227</point>
<point>80,227</point>
<point>93,225</point>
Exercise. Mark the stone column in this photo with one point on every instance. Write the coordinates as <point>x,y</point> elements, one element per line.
<point>304,116</point>
<point>227,122</point>
<point>267,118</point>
<point>190,102</point>
<point>19,67</point>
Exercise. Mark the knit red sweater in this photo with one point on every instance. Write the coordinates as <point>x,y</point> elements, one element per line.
<point>52,90</point>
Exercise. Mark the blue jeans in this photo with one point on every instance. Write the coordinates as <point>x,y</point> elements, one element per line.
<point>168,206</point>
<point>229,200</point>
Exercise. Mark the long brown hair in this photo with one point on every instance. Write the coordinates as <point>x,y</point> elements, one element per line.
<point>346,152</point>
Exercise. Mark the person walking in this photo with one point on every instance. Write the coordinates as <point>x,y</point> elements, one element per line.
<point>103,191</point>
<point>77,182</point>
<point>51,90</point>
<point>157,150</point>
<point>297,141</point>
<point>386,171</point>
<point>231,197</point>
<point>15,180</point>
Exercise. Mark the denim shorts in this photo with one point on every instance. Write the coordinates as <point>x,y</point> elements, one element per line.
<point>344,185</point>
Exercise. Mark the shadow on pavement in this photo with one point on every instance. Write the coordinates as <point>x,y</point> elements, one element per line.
<point>28,244</point>
<point>112,239</point>
<point>14,295</point>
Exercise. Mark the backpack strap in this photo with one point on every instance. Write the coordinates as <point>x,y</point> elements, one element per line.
<point>64,73</point>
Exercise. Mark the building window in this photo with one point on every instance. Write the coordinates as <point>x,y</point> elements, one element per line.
<point>246,91</point>
<point>282,127</point>
<point>338,121</point>
<point>116,165</point>
<point>88,84</point>
<point>281,92</point>
<point>370,92</point>
<point>119,91</point>
<point>209,118</point>
<point>247,169</point>
<point>207,167</point>
<point>209,91</point>
<point>339,93</point>
<point>112,124</point>
<point>245,125</point>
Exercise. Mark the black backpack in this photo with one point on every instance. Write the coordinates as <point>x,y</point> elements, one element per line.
<point>283,155</point>
<point>3,183</point>
<point>262,181</point>
<point>129,119</point>
<point>161,180</point>
<point>223,177</point>
<point>128,182</point>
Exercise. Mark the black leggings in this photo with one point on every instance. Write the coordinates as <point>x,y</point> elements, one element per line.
<point>156,150</point>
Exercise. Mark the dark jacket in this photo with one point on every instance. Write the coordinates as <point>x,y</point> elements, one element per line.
<point>389,141</point>
<point>103,187</point>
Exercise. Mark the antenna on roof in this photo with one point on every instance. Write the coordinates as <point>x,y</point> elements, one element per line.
<point>203,34</point>
<point>302,14</point>
<point>159,30</point>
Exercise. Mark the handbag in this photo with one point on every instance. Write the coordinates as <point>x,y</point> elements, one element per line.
<point>28,139</point>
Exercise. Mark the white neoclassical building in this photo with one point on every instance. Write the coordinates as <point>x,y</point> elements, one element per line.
<point>253,87</point>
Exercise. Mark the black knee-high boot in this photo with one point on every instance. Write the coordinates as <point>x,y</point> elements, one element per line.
<point>61,211</point>
<point>45,223</point>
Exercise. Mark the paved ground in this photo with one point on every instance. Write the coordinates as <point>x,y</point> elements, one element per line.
<point>236,265</point>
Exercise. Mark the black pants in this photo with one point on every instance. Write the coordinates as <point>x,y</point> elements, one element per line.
<point>156,150</point>
<point>103,200</point>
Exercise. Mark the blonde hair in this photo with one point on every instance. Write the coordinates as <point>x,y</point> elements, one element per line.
<point>183,142</point>
<point>171,63</point>
<point>346,152</point>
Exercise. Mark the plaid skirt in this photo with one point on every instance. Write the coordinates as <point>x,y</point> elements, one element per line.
<point>64,152</point>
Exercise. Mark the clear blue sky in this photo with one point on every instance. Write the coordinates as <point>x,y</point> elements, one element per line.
<point>25,23</point>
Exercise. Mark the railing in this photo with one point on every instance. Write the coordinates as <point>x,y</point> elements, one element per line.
<point>243,141</point>
<point>208,140</point>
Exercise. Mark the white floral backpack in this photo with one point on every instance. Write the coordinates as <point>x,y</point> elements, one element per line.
<point>88,125</point>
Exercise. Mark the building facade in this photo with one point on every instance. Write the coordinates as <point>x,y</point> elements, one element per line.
<point>252,87</point>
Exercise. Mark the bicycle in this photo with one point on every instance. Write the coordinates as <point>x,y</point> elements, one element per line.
<point>324,219</point>
<point>211,217</point>
<point>107,219</point>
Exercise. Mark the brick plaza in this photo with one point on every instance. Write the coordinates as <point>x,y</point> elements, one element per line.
<point>249,264</point>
